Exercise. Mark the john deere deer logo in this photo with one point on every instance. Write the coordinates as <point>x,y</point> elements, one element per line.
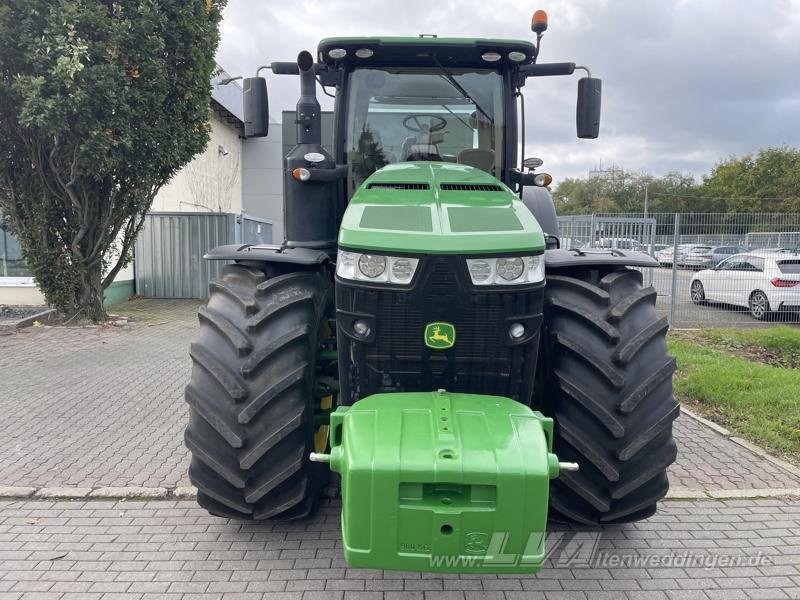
<point>440,336</point>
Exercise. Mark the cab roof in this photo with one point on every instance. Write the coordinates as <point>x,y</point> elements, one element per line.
<point>418,51</point>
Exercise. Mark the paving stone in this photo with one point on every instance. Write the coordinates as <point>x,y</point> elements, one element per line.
<point>718,572</point>
<point>117,396</point>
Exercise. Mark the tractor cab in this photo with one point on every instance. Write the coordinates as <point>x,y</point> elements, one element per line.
<point>426,99</point>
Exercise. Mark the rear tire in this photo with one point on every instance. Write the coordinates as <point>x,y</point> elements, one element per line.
<point>759,305</point>
<point>697,292</point>
<point>251,424</point>
<point>608,386</point>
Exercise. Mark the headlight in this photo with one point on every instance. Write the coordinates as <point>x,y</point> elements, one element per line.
<point>377,268</point>
<point>507,270</point>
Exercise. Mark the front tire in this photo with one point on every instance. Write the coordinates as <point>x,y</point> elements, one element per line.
<point>608,386</point>
<point>251,424</point>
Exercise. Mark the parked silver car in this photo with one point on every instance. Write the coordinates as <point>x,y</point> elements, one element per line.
<point>705,257</point>
<point>668,256</point>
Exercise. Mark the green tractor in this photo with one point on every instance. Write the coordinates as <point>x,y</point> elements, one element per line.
<point>419,330</point>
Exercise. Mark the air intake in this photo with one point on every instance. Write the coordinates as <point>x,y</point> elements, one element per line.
<point>471,187</point>
<point>398,186</point>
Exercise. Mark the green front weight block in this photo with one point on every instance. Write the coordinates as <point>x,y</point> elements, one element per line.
<point>433,481</point>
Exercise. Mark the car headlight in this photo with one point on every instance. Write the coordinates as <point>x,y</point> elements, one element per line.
<point>377,268</point>
<point>506,270</point>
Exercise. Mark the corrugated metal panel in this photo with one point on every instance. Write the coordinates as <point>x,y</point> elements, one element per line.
<point>169,253</point>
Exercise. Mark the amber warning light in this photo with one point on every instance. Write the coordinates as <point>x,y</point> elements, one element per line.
<point>539,22</point>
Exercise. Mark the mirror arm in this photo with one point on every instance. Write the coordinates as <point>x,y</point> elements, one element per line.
<point>588,72</point>
<point>521,178</point>
<point>336,173</point>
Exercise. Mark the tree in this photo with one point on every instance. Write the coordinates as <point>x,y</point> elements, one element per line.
<point>101,102</point>
<point>621,191</point>
<point>766,182</point>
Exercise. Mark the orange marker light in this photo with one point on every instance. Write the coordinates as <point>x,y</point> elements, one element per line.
<point>301,174</point>
<point>548,179</point>
<point>539,22</point>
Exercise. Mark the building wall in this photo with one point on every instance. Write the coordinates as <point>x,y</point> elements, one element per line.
<point>262,168</point>
<point>262,179</point>
<point>212,181</point>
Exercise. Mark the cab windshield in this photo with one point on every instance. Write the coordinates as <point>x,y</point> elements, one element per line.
<point>424,114</point>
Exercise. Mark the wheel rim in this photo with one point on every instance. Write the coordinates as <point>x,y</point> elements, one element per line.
<point>697,291</point>
<point>758,304</point>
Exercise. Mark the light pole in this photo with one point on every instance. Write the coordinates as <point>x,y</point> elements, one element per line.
<point>646,197</point>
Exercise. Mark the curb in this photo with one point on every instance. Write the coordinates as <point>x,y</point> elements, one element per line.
<point>27,321</point>
<point>757,450</point>
<point>190,493</point>
<point>101,493</point>
<point>677,494</point>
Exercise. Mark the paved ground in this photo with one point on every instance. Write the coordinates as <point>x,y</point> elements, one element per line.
<point>133,550</point>
<point>67,426</point>
<point>63,426</point>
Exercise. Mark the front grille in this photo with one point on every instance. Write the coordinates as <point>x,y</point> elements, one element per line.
<point>396,359</point>
<point>471,187</point>
<point>398,186</point>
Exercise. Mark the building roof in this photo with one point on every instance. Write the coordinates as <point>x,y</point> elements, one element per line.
<point>227,99</point>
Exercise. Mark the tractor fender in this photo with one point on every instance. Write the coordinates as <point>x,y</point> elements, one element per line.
<point>579,257</point>
<point>269,253</point>
<point>540,203</point>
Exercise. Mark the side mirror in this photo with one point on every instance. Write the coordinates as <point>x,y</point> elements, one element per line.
<point>587,116</point>
<point>256,107</point>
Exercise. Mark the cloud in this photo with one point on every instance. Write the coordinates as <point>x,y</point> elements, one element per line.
<point>685,83</point>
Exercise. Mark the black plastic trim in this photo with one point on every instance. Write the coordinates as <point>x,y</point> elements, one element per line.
<point>558,258</point>
<point>268,253</point>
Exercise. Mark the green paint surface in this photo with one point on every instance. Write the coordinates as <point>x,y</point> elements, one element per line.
<point>398,218</point>
<point>431,479</point>
<point>118,291</point>
<point>437,221</point>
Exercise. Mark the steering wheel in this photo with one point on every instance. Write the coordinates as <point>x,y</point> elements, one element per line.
<point>412,123</point>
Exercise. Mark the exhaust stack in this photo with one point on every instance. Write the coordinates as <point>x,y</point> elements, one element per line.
<point>309,121</point>
<point>309,206</point>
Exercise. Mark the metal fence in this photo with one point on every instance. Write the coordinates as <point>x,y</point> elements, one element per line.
<point>728,270</point>
<point>169,250</point>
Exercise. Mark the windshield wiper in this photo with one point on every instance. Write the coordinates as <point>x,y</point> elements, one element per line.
<point>447,76</point>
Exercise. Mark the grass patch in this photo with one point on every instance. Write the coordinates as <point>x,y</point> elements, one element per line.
<point>756,400</point>
<point>777,346</point>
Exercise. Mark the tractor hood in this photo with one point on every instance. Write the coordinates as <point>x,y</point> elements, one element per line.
<point>438,208</point>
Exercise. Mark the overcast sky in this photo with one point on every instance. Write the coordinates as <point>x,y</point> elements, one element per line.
<point>685,83</point>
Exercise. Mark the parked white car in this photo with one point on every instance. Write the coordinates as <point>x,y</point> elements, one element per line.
<point>761,283</point>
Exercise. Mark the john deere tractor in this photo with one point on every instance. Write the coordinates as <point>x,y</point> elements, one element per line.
<point>420,332</point>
